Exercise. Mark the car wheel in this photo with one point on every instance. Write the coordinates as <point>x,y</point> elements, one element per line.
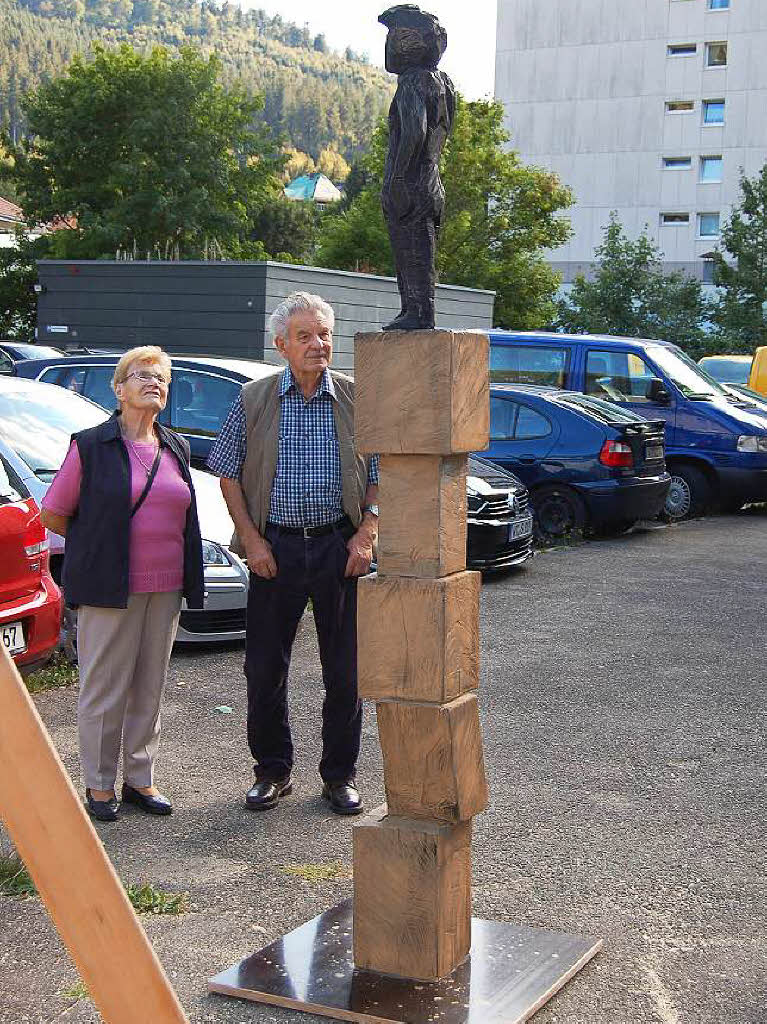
<point>559,514</point>
<point>689,493</point>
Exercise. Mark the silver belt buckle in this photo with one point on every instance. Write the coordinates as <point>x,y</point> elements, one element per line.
<point>307,535</point>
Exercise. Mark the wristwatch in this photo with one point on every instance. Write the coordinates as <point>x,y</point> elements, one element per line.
<point>370,508</point>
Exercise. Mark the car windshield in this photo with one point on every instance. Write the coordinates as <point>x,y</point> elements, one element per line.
<point>691,380</point>
<point>603,411</point>
<point>38,422</point>
<point>23,351</point>
<point>728,371</point>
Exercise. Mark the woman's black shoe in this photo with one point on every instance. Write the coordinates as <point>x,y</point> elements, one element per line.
<point>151,804</point>
<point>102,810</point>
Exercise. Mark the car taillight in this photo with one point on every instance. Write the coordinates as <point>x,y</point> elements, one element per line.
<point>616,454</point>
<point>36,545</point>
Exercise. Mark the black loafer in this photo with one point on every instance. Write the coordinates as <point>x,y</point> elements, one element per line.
<point>151,804</point>
<point>344,797</point>
<point>267,793</point>
<point>102,810</point>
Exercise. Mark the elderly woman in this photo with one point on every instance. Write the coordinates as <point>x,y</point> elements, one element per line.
<point>125,501</point>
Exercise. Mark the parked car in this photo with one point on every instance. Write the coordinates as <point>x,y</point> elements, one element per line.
<point>201,391</point>
<point>37,421</point>
<point>499,531</point>
<point>587,463</point>
<point>12,352</point>
<point>750,371</point>
<point>716,444</point>
<point>30,601</point>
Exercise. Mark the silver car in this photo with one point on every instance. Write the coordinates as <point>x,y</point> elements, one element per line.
<point>36,424</point>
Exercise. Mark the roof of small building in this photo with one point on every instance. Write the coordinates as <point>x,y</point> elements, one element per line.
<point>10,211</point>
<point>315,187</point>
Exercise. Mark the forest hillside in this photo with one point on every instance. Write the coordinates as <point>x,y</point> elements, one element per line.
<point>314,98</point>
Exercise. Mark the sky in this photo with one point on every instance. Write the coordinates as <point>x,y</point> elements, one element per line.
<point>470,55</point>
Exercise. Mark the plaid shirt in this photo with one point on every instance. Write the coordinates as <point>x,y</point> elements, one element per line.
<point>307,487</point>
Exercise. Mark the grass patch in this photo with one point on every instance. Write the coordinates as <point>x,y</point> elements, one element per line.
<point>15,880</point>
<point>56,674</point>
<point>76,992</point>
<point>148,899</point>
<point>330,871</point>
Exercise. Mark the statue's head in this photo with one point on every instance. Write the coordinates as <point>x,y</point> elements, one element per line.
<point>415,40</point>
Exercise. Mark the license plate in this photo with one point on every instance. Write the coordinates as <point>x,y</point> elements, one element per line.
<point>653,451</point>
<point>522,528</point>
<point>12,634</point>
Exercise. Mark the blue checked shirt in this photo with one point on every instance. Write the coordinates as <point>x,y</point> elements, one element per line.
<point>307,487</point>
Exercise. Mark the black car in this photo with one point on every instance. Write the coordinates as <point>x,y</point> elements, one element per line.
<point>587,463</point>
<point>499,521</point>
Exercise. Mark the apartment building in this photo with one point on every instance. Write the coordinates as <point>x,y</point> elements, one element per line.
<point>646,107</point>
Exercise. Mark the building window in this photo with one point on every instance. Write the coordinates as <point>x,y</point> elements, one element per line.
<point>677,163</point>
<point>674,219</point>
<point>679,106</point>
<point>708,225</point>
<point>718,5</point>
<point>684,49</point>
<point>716,55</point>
<point>710,168</point>
<point>713,111</point>
<point>708,271</point>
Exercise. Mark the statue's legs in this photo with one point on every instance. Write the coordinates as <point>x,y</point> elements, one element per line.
<point>414,245</point>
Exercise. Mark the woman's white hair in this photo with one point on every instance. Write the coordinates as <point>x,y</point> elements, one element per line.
<point>298,302</point>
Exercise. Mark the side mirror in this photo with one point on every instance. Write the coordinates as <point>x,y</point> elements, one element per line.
<point>658,392</point>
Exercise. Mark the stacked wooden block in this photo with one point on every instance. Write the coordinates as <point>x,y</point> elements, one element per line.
<point>422,402</point>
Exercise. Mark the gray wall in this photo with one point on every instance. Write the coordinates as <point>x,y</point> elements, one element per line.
<point>219,308</point>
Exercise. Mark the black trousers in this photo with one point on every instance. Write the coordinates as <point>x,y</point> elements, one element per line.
<point>311,567</point>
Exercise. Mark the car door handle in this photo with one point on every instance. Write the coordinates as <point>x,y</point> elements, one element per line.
<point>527,460</point>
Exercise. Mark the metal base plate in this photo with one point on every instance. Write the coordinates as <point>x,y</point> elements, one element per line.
<point>511,972</point>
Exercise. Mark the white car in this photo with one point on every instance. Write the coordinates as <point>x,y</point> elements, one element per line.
<point>36,423</point>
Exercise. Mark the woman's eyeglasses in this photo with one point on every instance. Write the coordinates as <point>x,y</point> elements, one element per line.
<point>146,377</point>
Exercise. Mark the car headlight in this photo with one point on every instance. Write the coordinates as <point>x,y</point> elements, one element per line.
<point>213,554</point>
<point>752,443</point>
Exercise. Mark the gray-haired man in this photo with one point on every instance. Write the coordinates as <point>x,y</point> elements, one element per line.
<point>303,505</point>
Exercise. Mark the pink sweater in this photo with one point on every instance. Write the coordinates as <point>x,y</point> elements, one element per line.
<point>156,530</point>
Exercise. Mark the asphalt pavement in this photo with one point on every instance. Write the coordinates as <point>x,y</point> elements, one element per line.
<point>623,706</point>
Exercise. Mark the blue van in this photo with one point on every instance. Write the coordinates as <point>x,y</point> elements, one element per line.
<point>716,444</point>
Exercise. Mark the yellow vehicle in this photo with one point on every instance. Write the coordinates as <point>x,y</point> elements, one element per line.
<point>739,369</point>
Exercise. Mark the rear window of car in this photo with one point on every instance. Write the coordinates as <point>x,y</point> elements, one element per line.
<point>529,364</point>
<point>605,412</point>
<point>11,487</point>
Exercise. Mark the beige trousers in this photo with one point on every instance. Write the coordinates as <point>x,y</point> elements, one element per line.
<point>123,655</point>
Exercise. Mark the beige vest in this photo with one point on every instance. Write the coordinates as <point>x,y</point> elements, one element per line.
<point>261,401</point>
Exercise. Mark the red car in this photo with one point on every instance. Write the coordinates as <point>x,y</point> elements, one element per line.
<point>30,602</point>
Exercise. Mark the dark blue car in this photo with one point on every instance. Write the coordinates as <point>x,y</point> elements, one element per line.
<point>587,463</point>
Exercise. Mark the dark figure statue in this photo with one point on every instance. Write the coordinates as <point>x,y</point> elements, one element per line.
<point>420,119</point>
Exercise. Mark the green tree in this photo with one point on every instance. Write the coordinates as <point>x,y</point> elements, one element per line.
<point>500,216</point>
<point>628,294</point>
<point>147,154</point>
<point>740,312</point>
<point>18,274</point>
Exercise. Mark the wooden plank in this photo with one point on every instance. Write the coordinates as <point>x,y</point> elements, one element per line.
<point>64,856</point>
<point>433,762</point>
<point>422,529</point>
<point>421,392</point>
<point>418,640</point>
<point>412,895</point>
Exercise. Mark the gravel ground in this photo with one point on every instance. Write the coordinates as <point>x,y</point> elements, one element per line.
<point>623,706</point>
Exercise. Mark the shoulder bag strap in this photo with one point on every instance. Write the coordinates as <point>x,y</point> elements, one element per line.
<point>149,481</point>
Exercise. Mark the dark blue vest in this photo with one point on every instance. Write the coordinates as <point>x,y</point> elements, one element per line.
<point>96,555</point>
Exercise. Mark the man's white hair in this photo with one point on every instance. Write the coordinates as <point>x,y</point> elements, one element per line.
<point>298,302</point>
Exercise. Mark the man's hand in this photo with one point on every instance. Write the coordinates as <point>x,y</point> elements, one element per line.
<point>360,548</point>
<point>258,553</point>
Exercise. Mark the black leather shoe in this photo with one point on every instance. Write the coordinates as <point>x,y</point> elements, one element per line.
<point>344,797</point>
<point>102,810</point>
<point>151,804</point>
<point>267,793</point>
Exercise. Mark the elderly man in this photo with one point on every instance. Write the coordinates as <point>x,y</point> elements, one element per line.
<point>303,505</point>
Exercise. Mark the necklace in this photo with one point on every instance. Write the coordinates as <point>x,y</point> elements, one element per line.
<point>147,469</point>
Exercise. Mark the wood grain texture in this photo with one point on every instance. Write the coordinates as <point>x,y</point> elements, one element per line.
<point>418,640</point>
<point>422,525</point>
<point>412,895</point>
<point>421,392</point>
<point>63,854</point>
<point>434,767</point>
